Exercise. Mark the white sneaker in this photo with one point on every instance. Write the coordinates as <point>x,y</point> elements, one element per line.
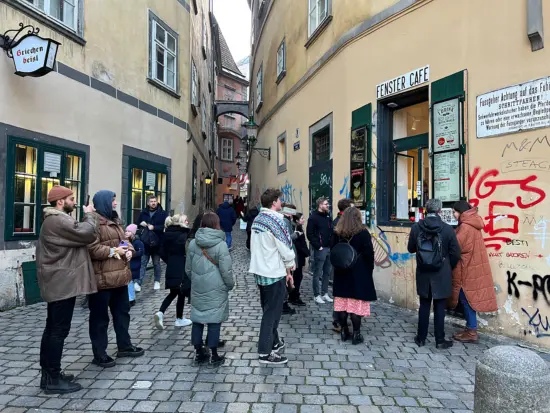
<point>137,287</point>
<point>183,322</point>
<point>327,298</point>
<point>159,320</point>
<point>157,286</point>
<point>319,300</point>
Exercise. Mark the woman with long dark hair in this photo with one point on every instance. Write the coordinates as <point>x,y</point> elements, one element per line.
<point>353,286</point>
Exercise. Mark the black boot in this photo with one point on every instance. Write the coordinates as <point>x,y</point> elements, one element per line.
<point>288,309</point>
<point>216,360</point>
<point>44,378</point>
<point>357,338</point>
<point>345,334</point>
<point>442,345</point>
<point>201,355</point>
<point>57,385</point>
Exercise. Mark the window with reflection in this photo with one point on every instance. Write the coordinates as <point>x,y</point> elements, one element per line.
<point>147,181</point>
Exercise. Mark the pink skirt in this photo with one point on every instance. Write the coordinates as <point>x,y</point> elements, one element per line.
<point>352,305</point>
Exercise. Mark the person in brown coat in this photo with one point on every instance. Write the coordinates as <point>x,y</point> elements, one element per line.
<point>111,253</point>
<point>472,278</point>
<point>64,271</point>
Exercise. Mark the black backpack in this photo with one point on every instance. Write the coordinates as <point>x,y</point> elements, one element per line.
<point>343,256</point>
<point>149,238</point>
<point>429,255</point>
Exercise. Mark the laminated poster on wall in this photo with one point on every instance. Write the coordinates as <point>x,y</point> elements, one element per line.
<point>447,176</point>
<point>446,125</point>
<point>358,186</point>
<point>448,217</point>
<point>358,145</point>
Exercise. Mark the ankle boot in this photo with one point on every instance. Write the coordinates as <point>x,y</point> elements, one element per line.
<point>357,338</point>
<point>345,334</point>
<point>44,378</point>
<point>467,336</point>
<point>201,355</point>
<point>216,360</point>
<point>57,385</point>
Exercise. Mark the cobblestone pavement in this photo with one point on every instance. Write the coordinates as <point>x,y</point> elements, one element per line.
<point>387,373</point>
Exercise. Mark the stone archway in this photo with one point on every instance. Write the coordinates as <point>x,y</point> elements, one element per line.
<point>223,107</point>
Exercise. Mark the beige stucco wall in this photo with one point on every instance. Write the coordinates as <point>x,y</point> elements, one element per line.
<point>489,40</point>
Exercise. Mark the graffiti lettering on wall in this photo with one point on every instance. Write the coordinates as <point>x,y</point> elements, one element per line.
<point>344,191</point>
<point>292,195</point>
<point>383,255</point>
<point>540,324</point>
<point>484,184</point>
<point>512,254</point>
<point>539,286</point>
<point>527,145</point>
<point>540,233</point>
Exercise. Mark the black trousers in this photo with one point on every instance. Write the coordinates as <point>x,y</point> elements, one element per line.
<point>58,325</point>
<point>439,318</point>
<point>174,292</point>
<point>298,276</point>
<point>212,337</point>
<point>116,300</point>
<point>272,298</point>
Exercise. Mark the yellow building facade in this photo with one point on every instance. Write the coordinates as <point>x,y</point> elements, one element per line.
<point>395,102</point>
<point>126,108</point>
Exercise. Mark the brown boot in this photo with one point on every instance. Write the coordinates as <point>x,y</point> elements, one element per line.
<point>467,336</point>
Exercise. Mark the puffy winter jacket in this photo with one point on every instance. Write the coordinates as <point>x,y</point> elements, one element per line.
<point>228,216</point>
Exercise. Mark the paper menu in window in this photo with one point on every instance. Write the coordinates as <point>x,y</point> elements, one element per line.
<point>52,163</point>
<point>150,180</point>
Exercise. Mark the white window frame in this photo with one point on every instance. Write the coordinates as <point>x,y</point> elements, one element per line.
<point>156,24</point>
<point>194,85</point>
<point>35,4</point>
<point>259,87</point>
<point>227,149</point>
<point>314,12</point>
<point>281,59</point>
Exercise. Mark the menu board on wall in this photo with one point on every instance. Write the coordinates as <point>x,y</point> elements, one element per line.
<point>446,118</point>
<point>447,176</point>
<point>358,187</point>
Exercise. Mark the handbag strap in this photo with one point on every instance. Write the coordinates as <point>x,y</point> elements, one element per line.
<point>208,257</point>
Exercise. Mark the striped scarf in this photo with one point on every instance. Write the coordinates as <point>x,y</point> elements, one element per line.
<point>270,221</point>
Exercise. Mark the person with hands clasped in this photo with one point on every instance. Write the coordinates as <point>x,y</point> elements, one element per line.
<point>271,261</point>
<point>111,253</point>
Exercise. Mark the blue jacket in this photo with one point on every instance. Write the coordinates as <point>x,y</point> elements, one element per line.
<point>135,263</point>
<point>228,217</point>
<point>157,220</point>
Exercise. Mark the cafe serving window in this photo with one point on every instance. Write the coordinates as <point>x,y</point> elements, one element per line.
<point>146,179</point>
<point>32,170</point>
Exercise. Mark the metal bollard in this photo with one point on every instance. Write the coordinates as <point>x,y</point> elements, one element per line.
<point>511,380</point>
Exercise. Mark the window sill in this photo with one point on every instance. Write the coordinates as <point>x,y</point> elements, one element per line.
<point>21,236</point>
<point>281,169</point>
<point>47,21</point>
<point>318,31</point>
<point>163,87</point>
<point>281,76</point>
<point>194,110</point>
<point>259,106</point>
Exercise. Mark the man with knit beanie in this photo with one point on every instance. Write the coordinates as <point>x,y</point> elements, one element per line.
<point>64,271</point>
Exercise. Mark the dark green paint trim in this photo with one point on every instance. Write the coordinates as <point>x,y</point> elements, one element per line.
<point>448,88</point>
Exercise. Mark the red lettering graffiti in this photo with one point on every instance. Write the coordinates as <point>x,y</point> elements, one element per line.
<point>484,185</point>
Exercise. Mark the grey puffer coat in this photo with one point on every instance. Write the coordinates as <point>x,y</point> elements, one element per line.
<point>210,283</point>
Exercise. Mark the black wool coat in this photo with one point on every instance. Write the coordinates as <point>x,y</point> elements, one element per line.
<point>356,282</point>
<point>173,253</point>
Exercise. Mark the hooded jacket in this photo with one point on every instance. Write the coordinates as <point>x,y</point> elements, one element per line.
<point>210,282</point>
<point>473,272</point>
<point>173,253</point>
<point>64,268</point>
<point>228,217</point>
<point>110,271</point>
<point>438,283</point>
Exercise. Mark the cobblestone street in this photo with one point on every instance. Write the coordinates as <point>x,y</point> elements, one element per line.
<point>386,374</point>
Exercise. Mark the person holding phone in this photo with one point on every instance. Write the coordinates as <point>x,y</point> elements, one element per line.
<point>272,259</point>
<point>111,254</point>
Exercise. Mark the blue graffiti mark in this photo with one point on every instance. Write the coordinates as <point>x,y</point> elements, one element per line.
<point>345,187</point>
<point>292,195</point>
<point>540,325</point>
<point>398,258</point>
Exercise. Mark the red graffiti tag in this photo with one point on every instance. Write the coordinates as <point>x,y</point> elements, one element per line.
<point>484,185</point>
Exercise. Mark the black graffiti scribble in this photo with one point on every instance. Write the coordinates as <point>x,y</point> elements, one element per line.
<point>526,145</point>
<point>512,287</point>
<point>539,284</point>
<point>540,325</point>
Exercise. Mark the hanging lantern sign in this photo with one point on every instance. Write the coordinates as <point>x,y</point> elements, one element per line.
<point>32,55</point>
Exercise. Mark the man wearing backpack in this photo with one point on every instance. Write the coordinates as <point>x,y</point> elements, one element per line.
<point>437,253</point>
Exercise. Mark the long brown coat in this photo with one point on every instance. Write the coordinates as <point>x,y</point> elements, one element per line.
<point>64,268</point>
<point>473,272</point>
<point>110,272</point>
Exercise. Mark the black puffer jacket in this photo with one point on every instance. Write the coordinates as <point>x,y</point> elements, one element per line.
<point>439,283</point>
<point>173,253</point>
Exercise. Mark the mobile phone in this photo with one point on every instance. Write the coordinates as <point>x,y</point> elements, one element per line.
<point>87,201</point>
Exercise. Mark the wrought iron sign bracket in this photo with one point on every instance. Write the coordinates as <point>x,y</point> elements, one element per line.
<point>8,42</point>
<point>263,152</point>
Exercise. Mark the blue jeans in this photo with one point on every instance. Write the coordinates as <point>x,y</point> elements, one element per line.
<point>212,337</point>
<point>469,314</point>
<point>131,291</point>
<point>228,239</point>
<point>156,266</point>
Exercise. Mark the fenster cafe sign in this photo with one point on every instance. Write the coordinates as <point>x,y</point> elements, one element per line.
<point>403,82</point>
<point>32,55</point>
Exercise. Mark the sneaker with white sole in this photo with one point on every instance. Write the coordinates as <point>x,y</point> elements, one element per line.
<point>327,298</point>
<point>159,320</point>
<point>183,322</point>
<point>279,346</point>
<point>319,300</point>
<point>157,286</point>
<point>137,288</point>
<point>272,358</point>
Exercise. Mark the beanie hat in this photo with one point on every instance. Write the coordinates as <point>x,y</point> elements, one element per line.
<point>132,228</point>
<point>461,206</point>
<point>58,192</point>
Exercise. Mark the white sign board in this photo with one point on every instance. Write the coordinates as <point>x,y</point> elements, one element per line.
<point>403,82</point>
<point>447,176</point>
<point>33,54</point>
<point>52,163</point>
<point>150,180</point>
<point>448,217</point>
<point>514,109</point>
<point>446,125</point>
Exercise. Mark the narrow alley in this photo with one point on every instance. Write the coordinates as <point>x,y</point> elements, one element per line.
<point>386,374</point>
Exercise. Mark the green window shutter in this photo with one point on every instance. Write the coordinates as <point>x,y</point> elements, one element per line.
<point>361,117</point>
<point>447,88</point>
